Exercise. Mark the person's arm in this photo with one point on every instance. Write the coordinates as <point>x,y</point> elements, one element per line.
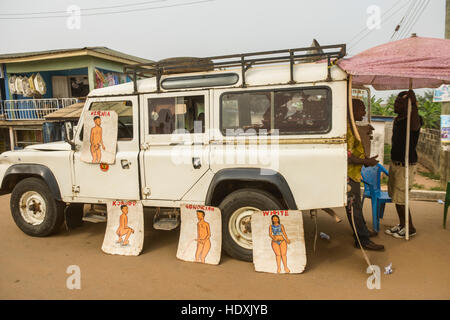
<point>368,162</point>
<point>92,135</point>
<point>270,233</point>
<point>122,222</point>
<point>208,230</point>
<point>285,235</point>
<point>101,138</point>
<point>415,119</point>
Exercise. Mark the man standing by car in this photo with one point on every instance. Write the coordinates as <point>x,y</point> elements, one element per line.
<point>356,159</point>
<point>396,183</point>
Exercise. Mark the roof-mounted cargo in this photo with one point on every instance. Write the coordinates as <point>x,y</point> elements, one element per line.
<point>242,60</point>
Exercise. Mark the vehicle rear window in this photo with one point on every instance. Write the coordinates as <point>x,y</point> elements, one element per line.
<point>292,112</point>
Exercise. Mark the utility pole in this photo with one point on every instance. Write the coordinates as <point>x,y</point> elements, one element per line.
<point>444,160</point>
<point>447,19</point>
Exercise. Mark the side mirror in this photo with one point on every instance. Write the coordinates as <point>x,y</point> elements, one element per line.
<point>68,134</point>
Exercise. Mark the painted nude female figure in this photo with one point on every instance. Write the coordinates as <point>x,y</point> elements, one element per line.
<point>203,235</point>
<point>124,229</point>
<point>279,242</point>
<point>97,140</point>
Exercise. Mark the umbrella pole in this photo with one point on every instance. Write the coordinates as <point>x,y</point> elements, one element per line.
<point>408,128</point>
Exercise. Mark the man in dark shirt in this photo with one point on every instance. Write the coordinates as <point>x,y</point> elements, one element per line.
<point>396,184</point>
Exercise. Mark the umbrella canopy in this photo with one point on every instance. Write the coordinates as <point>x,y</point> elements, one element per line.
<point>405,64</point>
<point>391,66</point>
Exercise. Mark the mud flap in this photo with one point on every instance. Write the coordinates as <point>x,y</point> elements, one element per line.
<point>73,216</point>
<point>200,234</point>
<point>278,246</point>
<point>125,228</point>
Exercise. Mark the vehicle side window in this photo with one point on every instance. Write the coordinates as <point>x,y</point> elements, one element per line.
<point>297,111</point>
<point>246,111</point>
<point>176,115</point>
<point>124,110</point>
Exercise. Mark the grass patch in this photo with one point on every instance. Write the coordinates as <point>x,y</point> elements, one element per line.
<point>437,189</point>
<point>387,153</point>
<point>430,175</point>
<point>384,179</point>
<point>418,186</point>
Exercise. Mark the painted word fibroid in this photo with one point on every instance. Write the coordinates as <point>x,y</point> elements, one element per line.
<point>236,147</point>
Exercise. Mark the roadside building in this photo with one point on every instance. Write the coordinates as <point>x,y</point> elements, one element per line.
<point>35,84</point>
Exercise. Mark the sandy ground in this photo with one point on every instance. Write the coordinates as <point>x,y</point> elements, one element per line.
<point>35,268</point>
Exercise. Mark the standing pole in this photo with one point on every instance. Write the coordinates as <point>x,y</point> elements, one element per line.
<point>408,128</point>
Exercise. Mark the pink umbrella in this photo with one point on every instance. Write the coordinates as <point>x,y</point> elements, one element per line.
<point>405,64</point>
<point>391,66</point>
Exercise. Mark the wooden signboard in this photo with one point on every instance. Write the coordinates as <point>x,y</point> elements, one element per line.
<point>125,228</point>
<point>99,137</point>
<point>278,241</point>
<point>200,234</point>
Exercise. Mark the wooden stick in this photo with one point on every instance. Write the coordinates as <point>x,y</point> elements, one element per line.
<point>350,109</point>
<point>408,128</point>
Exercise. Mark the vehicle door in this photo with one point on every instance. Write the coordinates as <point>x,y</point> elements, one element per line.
<point>176,143</point>
<point>121,179</point>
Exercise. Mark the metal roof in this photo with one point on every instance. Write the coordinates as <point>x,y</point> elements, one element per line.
<point>102,52</point>
<point>72,112</point>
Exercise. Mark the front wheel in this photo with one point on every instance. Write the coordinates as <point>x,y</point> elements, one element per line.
<point>237,209</point>
<point>34,209</point>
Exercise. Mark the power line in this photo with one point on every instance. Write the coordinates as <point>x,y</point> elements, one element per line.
<point>414,14</point>
<point>368,31</point>
<point>417,18</point>
<point>111,12</point>
<point>371,30</point>
<point>82,9</point>
<point>365,29</point>
<point>404,17</point>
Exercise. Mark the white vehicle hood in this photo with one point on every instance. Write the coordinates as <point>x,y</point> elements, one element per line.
<point>51,146</point>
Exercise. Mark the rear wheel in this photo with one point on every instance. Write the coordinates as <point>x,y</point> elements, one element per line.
<point>237,209</point>
<point>34,209</point>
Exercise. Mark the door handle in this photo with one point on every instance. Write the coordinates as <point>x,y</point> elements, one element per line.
<point>196,163</point>
<point>125,164</point>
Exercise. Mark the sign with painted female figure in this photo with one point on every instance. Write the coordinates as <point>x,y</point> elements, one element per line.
<point>278,241</point>
<point>200,234</point>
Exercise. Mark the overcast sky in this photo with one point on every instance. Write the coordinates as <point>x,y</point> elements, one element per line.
<point>167,28</point>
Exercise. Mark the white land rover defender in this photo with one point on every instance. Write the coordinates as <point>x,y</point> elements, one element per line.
<point>241,132</point>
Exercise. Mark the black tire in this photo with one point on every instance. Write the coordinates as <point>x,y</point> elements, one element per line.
<point>54,213</point>
<point>238,199</point>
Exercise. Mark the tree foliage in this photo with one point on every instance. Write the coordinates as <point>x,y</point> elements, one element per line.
<point>430,111</point>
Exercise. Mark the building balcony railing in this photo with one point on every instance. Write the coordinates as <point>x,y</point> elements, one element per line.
<point>32,109</point>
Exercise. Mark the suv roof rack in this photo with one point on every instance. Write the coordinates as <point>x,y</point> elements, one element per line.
<point>243,60</point>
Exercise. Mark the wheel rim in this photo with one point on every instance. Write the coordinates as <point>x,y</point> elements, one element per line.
<point>32,208</point>
<point>239,226</point>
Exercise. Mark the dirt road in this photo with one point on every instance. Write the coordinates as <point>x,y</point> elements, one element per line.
<point>35,268</point>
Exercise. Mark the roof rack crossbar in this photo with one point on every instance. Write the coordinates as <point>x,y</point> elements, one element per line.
<point>243,60</point>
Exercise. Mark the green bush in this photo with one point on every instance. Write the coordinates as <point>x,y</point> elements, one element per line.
<point>429,111</point>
